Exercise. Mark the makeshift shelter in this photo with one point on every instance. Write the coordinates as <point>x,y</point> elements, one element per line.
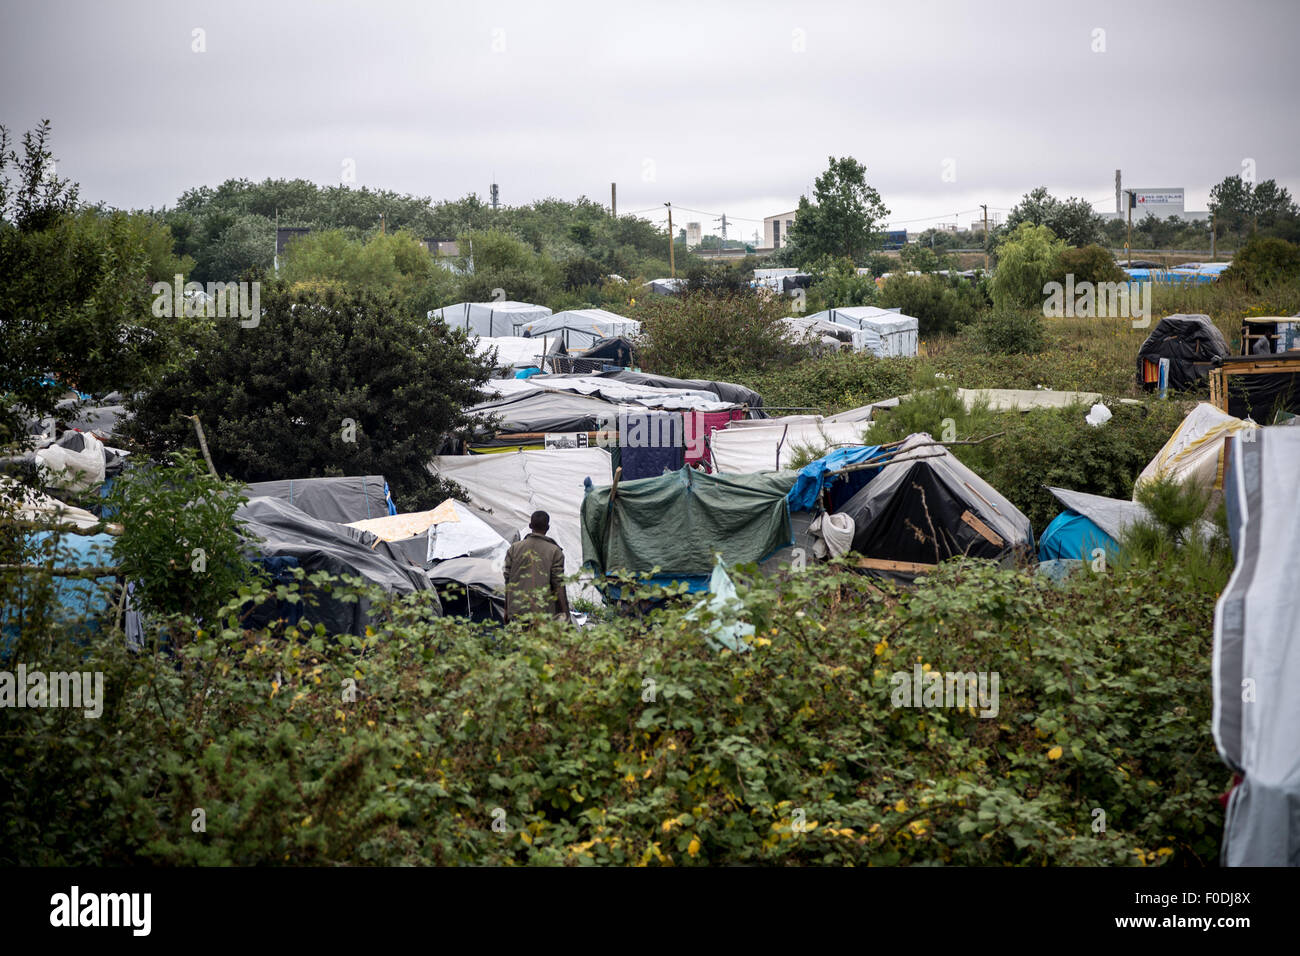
<point>679,521</point>
<point>725,391</point>
<point>738,451</point>
<point>580,328</point>
<point>273,528</point>
<point>1256,667</point>
<point>1264,386</point>
<point>831,335</point>
<point>490,318</point>
<point>513,353</point>
<point>826,474</point>
<point>470,587</point>
<point>925,506</point>
<point>1195,451</point>
<point>1190,342</point>
<point>526,418</point>
<point>607,354</point>
<point>1088,522</point>
<point>513,485</point>
<point>331,499</point>
<point>79,603</point>
<point>880,331</point>
<point>454,529</point>
<point>666,286</point>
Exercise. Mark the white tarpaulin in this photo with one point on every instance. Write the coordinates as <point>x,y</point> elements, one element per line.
<point>580,328</point>
<point>741,451</point>
<point>1256,720</point>
<point>512,351</point>
<point>33,505</point>
<point>513,485</point>
<point>612,390</point>
<point>879,331</point>
<point>490,318</point>
<point>1023,399</point>
<point>1195,449</point>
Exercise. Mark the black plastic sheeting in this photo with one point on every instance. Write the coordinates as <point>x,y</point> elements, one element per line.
<point>616,350</point>
<point>330,499</point>
<point>276,529</point>
<point>1260,397</point>
<point>912,512</point>
<point>1185,340</point>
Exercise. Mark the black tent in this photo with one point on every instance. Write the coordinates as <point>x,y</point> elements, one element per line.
<point>353,498</point>
<point>1190,342</point>
<point>924,507</point>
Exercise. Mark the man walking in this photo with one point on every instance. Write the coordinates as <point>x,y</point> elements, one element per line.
<point>534,572</point>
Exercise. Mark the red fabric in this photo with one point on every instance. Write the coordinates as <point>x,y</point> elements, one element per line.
<point>1224,797</point>
<point>703,424</point>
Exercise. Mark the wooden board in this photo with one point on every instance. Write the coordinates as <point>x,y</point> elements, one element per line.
<point>903,567</point>
<point>987,533</point>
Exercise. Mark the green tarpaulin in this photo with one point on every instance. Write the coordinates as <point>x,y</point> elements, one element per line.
<point>680,519</point>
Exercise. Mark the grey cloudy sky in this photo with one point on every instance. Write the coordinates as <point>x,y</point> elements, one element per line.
<point>727,106</point>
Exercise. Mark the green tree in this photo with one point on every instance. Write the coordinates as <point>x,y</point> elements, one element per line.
<point>75,300</point>
<point>1025,262</point>
<point>843,218</point>
<point>711,334</point>
<point>1262,261</point>
<point>1072,220</point>
<point>328,383</point>
<point>837,283</point>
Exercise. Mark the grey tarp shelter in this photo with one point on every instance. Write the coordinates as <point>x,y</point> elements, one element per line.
<point>331,499</point>
<point>580,328</point>
<point>272,528</point>
<point>1256,722</point>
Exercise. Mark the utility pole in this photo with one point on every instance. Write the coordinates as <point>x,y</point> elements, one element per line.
<point>1212,231</point>
<point>672,241</point>
<point>985,207</point>
<point>613,200</point>
<point>1128,243</point>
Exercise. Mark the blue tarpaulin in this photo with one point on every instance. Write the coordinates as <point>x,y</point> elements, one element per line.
<point>1071,535</point>
<point>817,475</point>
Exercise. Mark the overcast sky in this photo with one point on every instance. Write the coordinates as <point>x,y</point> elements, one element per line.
<point>720,107</point>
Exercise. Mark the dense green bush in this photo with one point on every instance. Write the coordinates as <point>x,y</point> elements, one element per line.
<point>1262,262</point>
<point>714,335</point>
<point>939,303</point>
<point>1088,264</point>
<point>833,382</point>
<point>1008,332</point>
<point>632,742</point>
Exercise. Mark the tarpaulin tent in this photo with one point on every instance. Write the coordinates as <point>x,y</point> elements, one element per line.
<point>490,318</point>
<point>614,390</point>
<point>273,528</point>
<point>78,602</point>
<point>1190,342</point>
<point>614,352</point>
<point>515,484</point>
<point>726,391</point>
<point>880,331</point>
<point>542,410</point>
<point>1088,522</point>
<point>1256,664</point>
<point>1195,451</point>
<point>513,352</point>
<point>738,451</point>
<point>470,587</point>
<point>331,499</point>
<point>666,286</point>
<point>800,328</point>
<point>926,506</point>
<point>678,521</point>
<point>580,328</point>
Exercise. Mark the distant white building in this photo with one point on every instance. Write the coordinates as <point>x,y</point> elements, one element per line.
<point>694,235</point>
<point>776,229</point>
<point>1161,202</point>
